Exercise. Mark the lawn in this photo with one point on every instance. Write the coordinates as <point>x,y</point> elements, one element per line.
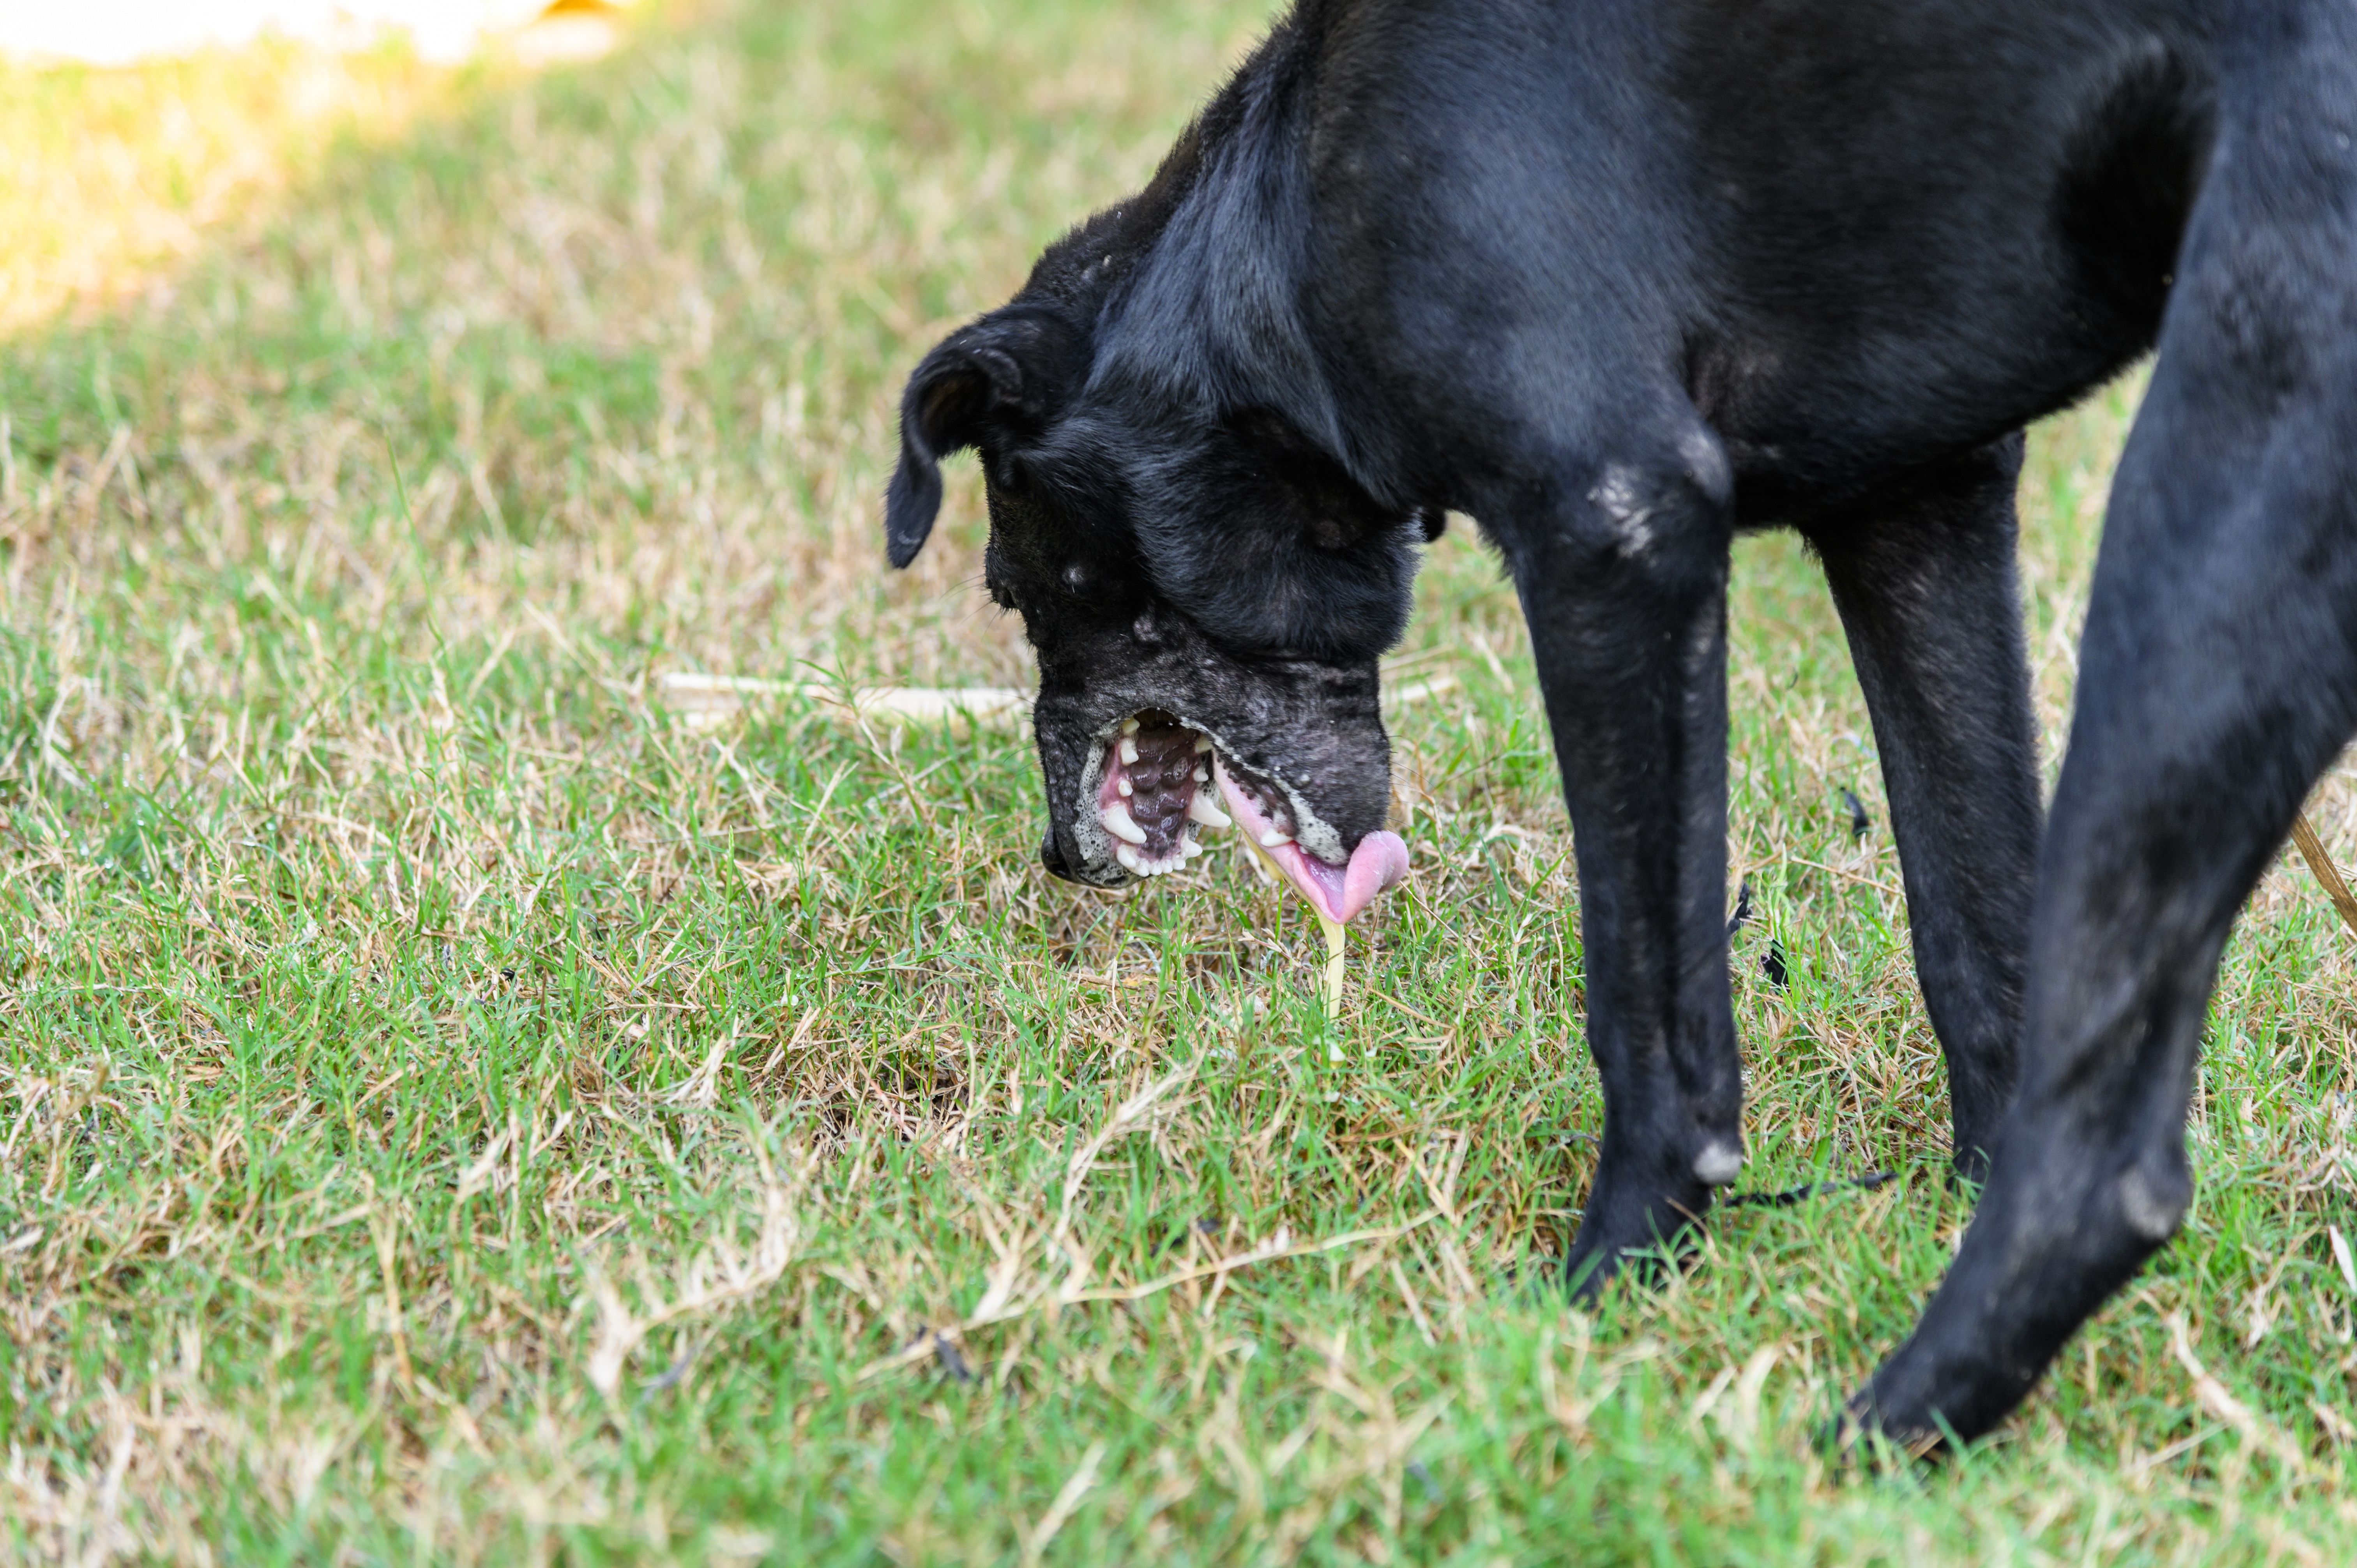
<point>459,1103</point>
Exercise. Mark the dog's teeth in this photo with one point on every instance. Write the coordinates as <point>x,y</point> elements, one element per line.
<point>1202,744</point>
<point>1129,727</point>
<point>1189,850</point>
<point>1272,839</point>
<point>1125,787</point>
<point>1202,776</point>
<point>1121,825</point>
<point>1130,858</point>
<point>1128,749</point>
<point>1201,811</point>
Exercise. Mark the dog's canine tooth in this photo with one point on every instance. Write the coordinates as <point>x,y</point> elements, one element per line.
<point>1201,810</point>
<point>1121,825</point>
<point>1131,858</point>
<point>1128,749</point>
<point>1272,839</point>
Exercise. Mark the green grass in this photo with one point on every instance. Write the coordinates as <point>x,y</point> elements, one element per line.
<point>454,1109</point>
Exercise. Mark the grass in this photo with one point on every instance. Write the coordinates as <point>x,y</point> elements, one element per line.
<point>453,1108</point>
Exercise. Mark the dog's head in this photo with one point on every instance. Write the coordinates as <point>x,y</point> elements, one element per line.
<point>1208,594</point>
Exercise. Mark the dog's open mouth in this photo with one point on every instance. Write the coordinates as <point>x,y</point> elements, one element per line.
<point>1154,796</point>
<point>1158,791</point>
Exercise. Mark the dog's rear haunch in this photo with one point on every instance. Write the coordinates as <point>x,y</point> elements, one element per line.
<point>1618,281</point>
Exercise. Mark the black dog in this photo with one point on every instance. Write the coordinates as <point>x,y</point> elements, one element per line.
<point>1618,280</point>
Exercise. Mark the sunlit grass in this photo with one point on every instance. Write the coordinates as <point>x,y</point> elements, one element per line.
<point>110,179</point>
<point>452,1108</point>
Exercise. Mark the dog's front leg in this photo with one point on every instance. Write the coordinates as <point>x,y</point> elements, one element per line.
<point>1923,572</point>
<point>2217,679</point>
<point>1622,574</point>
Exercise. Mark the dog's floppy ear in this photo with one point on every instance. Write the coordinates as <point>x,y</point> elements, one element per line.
<point>1003,376</point>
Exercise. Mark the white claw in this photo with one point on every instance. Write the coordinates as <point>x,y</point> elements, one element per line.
<point>1271,839</point>
<point>1130,858</point>
<point>1123,787</point>
<point>1718,1163</point>
<point>1121,825</point>
<point>1128,749</point>
<point>1201,809</point>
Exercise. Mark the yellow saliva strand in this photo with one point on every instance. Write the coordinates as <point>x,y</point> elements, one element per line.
<point>1334,939</point>
<point>1333,964</point>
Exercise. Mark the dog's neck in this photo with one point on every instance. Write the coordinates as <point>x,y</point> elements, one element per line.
<point>1193,289</point>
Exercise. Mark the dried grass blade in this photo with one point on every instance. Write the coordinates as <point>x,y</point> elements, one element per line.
<point>2312,849</point>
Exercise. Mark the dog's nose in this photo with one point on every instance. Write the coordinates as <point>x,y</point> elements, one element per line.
<point>1053,858</point>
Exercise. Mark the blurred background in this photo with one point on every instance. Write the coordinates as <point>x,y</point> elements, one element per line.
<point>629,325</point>
<point>119,32</point>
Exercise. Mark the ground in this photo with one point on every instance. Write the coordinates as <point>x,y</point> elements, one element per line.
<point>457,1105</point>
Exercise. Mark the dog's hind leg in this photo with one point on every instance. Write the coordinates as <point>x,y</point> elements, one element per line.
<point>1621,565</point>
<point>2218,677</point>
<point>1924,577</point>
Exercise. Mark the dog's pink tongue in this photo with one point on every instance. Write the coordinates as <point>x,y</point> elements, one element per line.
<point>1376,866</point>
<point>1338,891</point>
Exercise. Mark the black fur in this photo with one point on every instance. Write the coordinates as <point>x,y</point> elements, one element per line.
<point>1619,280</point>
